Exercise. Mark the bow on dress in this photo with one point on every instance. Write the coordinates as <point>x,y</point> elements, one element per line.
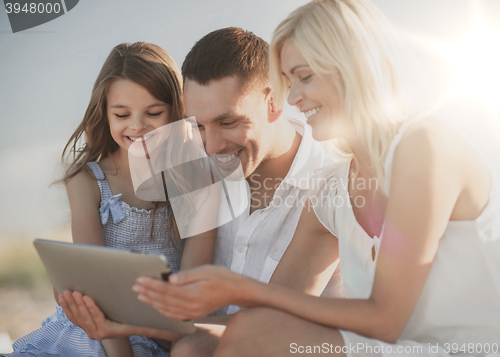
<point>112,205</point>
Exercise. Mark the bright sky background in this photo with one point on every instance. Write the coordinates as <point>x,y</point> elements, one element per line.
<point>47,73</point>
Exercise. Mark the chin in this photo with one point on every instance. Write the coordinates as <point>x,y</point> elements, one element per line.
<point>322,134</point>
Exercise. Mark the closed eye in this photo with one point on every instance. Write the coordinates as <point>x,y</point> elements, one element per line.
<point>306,78</point>
<point>122,116</point>
<point>227,124</point>
<point>154,114</point>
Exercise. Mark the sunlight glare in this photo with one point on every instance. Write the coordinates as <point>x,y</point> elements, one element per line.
<point>471,57</point>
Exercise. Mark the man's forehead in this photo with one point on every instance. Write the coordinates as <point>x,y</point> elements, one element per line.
<point>226,85</point>
<point>214,99</point>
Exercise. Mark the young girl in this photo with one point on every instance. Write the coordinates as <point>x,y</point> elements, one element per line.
<point>137,91</point>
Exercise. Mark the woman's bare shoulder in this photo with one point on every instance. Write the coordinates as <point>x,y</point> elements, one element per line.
<point>430,138</point>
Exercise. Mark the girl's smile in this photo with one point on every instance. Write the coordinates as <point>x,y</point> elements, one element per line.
<point>133,113</point>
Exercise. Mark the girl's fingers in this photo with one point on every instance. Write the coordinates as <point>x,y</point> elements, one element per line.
<point>77,312</point>
<point>66,307</point>
<point>70,306</point>
<point>94,311</point>
<point>83,311</point>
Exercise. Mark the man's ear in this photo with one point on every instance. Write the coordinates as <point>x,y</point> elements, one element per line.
<point>273,113</point>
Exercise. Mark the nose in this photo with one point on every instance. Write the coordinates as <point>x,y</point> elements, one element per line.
<point>294,96</point>
<point>213,140</point>
<point>137,122</point>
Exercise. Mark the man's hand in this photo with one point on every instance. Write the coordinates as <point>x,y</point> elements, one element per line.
<point>192,294</point>
<point>83,312</point>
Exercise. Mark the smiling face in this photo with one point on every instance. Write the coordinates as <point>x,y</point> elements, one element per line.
<point>232,123</point>
<point>317,97</point>
<point>133,112</point>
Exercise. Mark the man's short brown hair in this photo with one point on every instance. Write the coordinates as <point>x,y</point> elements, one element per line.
<point>227,52</point>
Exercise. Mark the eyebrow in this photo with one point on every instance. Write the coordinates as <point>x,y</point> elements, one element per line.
<point>159,104</point>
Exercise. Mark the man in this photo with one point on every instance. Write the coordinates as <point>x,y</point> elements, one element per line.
<point>226,88</point>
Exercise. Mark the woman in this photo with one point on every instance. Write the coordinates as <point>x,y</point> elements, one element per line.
<point>430,285</point>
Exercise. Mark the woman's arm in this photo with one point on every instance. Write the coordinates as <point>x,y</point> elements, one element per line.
<point>429,174</point>
<point>311,257</point>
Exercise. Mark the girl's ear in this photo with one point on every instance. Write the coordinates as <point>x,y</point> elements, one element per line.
<point>273,112</point>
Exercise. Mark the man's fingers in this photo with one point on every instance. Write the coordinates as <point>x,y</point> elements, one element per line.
<point>151,284</point>
<point>179,278</point>
<point>159,301</point>
<point>168,306</point>
<point>155,290</point>
<point>190,276</point>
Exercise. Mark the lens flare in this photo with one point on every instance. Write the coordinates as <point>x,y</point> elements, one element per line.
<point>471,60</point>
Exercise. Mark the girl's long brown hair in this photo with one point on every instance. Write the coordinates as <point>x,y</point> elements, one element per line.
<point>143,63</point>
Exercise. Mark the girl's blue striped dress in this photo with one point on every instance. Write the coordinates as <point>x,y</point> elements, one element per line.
<point>124,227</point>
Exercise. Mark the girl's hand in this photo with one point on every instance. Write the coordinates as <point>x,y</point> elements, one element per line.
<point>84,312</point>
<point>192,294</point>
<point>56,295</point>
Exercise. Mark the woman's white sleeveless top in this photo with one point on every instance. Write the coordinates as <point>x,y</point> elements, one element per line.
<point>460,302</point>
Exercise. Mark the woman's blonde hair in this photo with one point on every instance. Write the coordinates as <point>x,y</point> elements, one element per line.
<point>143,63</point>
<point>352,40</point>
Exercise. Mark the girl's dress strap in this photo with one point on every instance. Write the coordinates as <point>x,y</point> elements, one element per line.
<point>101,181</point>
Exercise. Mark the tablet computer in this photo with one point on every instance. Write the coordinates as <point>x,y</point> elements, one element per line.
<point>107,275</point>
